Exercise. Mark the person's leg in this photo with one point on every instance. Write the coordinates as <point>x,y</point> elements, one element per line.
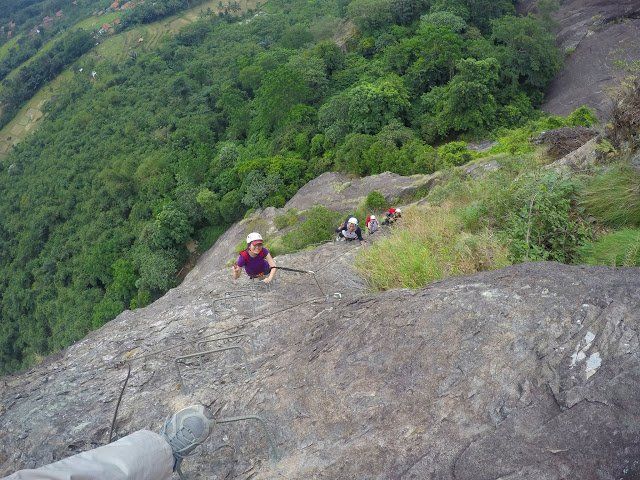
<point>143,455</point>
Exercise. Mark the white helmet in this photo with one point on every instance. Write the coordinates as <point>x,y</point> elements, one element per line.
<point>372,217</point>
<point>353,220</point>
<point>253,236</point>
<point>398,210</point>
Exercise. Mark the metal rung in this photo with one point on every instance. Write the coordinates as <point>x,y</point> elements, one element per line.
<point>239,295</point>
<point>273,453</point>
<point>201,343</point>
<point>179,360</point>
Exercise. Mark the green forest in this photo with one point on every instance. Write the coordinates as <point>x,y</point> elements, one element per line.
<point>235,114</point>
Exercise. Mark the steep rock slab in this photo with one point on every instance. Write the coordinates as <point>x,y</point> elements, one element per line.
<point>336,191</point>
<point>527,372</point>
<point>602,41</point>
<point>341,192</point>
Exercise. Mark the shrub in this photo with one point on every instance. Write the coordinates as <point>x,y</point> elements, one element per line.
<point>472,216</point>
<point>621,248</point>
<point>514,142</point>
<point>582,117</point>
<point>375,201</point>
<point>454,154</point>
<point>613,197</point>
<point>624,127</point>
<point>318,226</point>
<point>431,246</point>
<point>287,219</point>
<point>539,219</point>
<point>517,141</point>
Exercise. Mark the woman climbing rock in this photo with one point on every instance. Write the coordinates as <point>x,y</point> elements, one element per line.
<point>255,259</point>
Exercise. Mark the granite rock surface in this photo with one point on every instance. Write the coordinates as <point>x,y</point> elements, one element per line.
<point>529,372</point>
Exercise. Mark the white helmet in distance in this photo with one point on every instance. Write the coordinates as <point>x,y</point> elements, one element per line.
<point>353,220</point>
<point>253,236</point>
<point>372,217</point>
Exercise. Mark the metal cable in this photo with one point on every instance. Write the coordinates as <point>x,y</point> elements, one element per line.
<point>115,414</point>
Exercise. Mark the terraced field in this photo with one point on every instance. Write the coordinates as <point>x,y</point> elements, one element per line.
<point>4,49</point>
<point>112,48</point>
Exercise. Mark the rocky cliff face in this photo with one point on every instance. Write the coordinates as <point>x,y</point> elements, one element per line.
<point>601,42</point>
<point>525,373</point>
<point>339,191</point>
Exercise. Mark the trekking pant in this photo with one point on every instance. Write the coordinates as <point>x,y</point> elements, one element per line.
<point>143,455</point>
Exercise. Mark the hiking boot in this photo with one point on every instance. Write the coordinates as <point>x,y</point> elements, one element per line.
<point>187,429</point>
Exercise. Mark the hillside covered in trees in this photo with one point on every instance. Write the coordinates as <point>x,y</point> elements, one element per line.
<point>98,206</point>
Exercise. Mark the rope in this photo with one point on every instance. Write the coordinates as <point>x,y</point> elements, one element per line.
<point>115,414</point>
<point>287,269</point>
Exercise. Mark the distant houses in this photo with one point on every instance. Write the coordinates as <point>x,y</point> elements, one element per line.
<point>116,5</point>
<point>8,29</point>
<point>107,28</point>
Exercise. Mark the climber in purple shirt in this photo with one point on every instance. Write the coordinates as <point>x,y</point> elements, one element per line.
<point>256,260</point>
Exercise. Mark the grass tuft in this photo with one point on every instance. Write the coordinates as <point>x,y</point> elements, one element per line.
<point>616,249</point>
<point>613,197</point>
<point>430,245</point>
<point>316,226</point>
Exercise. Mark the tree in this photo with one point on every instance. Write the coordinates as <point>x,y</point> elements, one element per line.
<point>250,77</point>
<point>373,105</point>
<point>233,103</point>
<point>257,187</point>
<point>333,118</point>
<point>123,287</point>
<point>330,54</point>
<point>157,270</point>
<point>482,12</point>
<point>170,228</point>
<point>281,89</point>
<point>526,52</point>
<point>231,206</point>
<point>476,12</point>
<point>349,155</point>
<point>444,19</point>
<point>370,15</point>
<point>406,11</point>
<point>438,51</point>
<point>466,103</point>
<point>296,36</point>
<point>210,205</point>
<point>313,71</point>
